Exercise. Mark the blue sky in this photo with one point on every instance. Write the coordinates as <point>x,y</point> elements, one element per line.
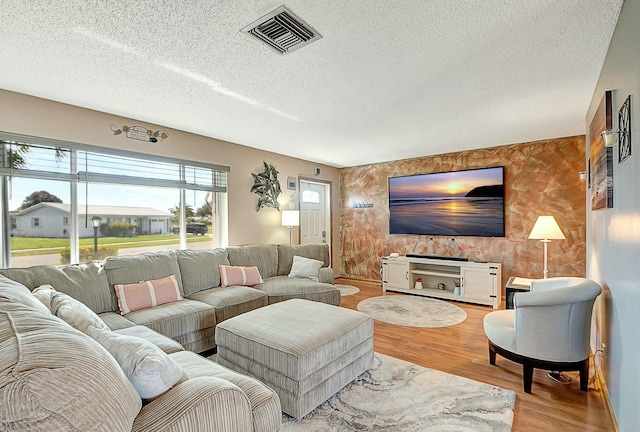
<point>157,198</point>
<point>446,184</point>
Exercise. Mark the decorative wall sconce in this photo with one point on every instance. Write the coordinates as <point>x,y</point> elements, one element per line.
<point>610,137</point>
<point>622,136</point>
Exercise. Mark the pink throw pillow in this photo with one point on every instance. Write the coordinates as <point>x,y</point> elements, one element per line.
<point>145,294</point>
<point>236,275</point>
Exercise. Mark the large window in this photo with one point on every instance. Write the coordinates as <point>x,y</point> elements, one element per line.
<point>138,202</point>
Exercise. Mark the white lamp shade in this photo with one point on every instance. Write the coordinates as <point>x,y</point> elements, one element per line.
<point>546,228</point>
<point>290,218</point>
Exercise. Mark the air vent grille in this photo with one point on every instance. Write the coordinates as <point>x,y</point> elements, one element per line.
<point>282,31</point>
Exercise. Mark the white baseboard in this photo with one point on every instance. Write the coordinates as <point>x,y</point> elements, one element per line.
<point>604,392</point>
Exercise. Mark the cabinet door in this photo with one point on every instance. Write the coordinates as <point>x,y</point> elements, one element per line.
<point>396,274</point>
<point>478,283</point>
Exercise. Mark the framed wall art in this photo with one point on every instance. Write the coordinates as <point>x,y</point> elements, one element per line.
<point>601,157</point>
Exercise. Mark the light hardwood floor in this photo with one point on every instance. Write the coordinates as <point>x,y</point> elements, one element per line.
<point>462,350</point>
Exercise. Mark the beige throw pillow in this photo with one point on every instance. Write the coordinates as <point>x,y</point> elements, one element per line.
<point>151,371</point>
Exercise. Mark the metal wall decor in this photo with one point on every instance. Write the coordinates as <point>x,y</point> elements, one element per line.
<point>624,125</point>
<point>140,133</point>
<point>267,186</point>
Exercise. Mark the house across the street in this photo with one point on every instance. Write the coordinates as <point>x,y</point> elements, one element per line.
<point>52,219</point>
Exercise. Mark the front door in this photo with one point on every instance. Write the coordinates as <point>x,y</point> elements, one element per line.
<point>315,221</point>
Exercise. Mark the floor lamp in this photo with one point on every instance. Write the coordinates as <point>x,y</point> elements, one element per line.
<point>290,219</point>
<point>546,229</point>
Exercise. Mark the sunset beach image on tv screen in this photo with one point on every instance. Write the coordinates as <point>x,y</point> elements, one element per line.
<point>454,203</point>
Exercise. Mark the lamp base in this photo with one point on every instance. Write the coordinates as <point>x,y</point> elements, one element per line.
<point>545,271</point>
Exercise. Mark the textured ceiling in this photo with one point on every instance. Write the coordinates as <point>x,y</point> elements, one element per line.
<point>388,80</point>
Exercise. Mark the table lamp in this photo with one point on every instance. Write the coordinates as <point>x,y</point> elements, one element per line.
<point>546,229</point>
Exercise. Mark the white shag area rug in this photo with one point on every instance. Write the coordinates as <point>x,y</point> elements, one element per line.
<point>347,290</point>
<point>395,395</point>
<point>412,311</point>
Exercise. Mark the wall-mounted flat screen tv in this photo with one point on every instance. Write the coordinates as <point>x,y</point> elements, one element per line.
<point>454,203</point>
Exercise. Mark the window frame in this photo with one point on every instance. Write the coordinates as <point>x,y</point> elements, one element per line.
<point>77,173</point>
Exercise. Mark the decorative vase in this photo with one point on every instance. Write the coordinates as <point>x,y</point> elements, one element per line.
<point>418,285</point>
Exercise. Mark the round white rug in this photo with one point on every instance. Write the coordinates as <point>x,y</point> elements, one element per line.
<point>412,311</point>
<point>347,290</point>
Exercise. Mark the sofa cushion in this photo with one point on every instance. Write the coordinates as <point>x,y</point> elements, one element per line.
<point>280,288</point>
<point>151,371</point>
<point>305,268</point>
<point>84,282</point>
<point>146,294</point>
<point>166,344</point>
<point>17,292</point>
<point>231,301</point>
<point>115,321</point>
<point>265,403</point>
<point>287,252</point>
<point>44,387</point>
<point>239,275</point>
<point>135,268</point>
<point>177,318</point>
<point>199,269</point>
<point>265,257</point>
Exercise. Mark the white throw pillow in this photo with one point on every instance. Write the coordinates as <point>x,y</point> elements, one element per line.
<point>74,312</point>
<point>44,293</point>
<point>305,268</point>
<point>151,371</point>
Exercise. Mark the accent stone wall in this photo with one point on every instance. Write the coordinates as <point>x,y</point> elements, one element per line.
<point>541,178</point>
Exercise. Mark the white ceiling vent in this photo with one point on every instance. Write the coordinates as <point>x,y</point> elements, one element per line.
<point>282,31</point>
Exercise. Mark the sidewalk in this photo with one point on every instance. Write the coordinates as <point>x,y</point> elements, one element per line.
<point>54,259</point>
<point>107,244</point>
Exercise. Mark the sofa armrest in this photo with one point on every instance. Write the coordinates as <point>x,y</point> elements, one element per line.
<point>325,275</point>
<point>199,404</point>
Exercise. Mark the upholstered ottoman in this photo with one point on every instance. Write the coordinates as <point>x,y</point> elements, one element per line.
<point>305,351</point>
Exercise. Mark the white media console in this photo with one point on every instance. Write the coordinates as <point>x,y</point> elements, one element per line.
<point>479,282</point>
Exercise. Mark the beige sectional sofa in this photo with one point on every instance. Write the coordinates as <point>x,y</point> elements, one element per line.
<point>82,387</point>
<point>192,321</point>
<point>53,377</point>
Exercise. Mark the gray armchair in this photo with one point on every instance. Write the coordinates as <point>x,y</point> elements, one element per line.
<point>549,328</point>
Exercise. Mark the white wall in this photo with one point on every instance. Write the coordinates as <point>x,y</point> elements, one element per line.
<point>43,118</point>
<point>51,223</point>
<point>613,235</point>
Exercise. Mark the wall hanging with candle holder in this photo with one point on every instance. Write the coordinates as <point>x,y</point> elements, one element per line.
<point>622,135</point>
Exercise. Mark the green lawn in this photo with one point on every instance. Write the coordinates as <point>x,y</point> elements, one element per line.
<point>25,245</point>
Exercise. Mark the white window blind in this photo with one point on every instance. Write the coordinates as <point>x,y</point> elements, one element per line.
<point>53,160</point>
